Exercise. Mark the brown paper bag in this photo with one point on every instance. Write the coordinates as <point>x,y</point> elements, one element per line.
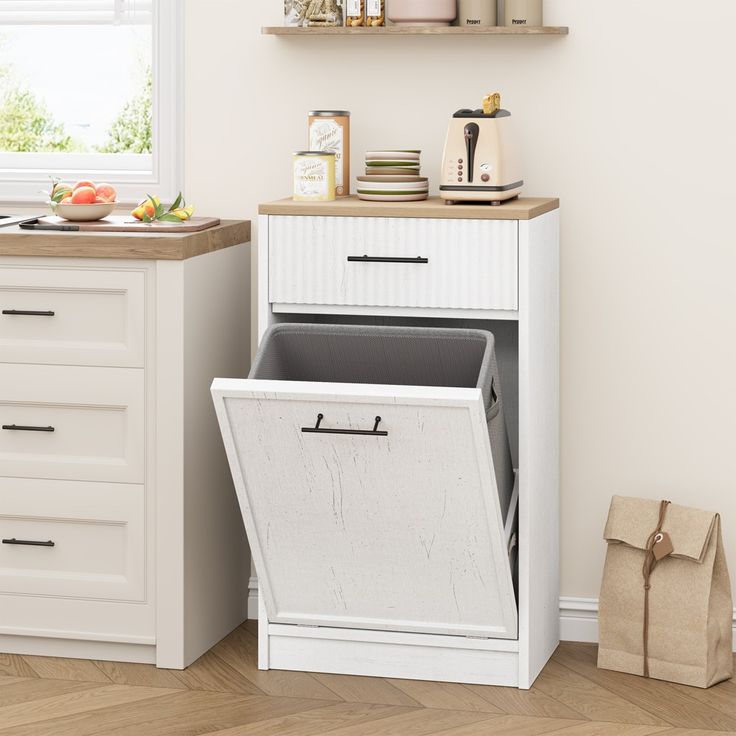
<point>683,632</point>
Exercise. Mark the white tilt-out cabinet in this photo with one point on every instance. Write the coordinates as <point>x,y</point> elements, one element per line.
<point>409,585</point>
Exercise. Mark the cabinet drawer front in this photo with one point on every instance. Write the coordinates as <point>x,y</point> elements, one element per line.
<point>77,540</point>
<point>72,317</point>
<point>71,423</point>
<point>370,507</point>
<point>449,264</point>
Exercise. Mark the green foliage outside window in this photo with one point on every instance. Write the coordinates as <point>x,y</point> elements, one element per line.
<point>130,132</point>
<point>27,126</point>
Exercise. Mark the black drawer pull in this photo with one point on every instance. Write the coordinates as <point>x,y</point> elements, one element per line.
<point>375,432</point>
<point>29,543</point>
<point>22,428</point>
<point>27,313</point>
<point>382,259</point>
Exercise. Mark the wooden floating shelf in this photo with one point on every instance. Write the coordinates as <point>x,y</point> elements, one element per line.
<point>402,30</point>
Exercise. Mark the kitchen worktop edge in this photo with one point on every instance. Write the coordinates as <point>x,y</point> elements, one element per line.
<point>144,246</point>
<point>523,208</point>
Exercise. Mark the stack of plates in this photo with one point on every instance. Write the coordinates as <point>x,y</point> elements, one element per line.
<point>392,176</point>
<point>393,188</point>
<point>400,163</point>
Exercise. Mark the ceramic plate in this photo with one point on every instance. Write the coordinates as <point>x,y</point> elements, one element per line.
<point>393,185</point>
<point>390,155</point>
<point>395,162</point>
<point>393,192</point>
<point>392,170</point>
<point>393,197</point>
<point>393,178</point>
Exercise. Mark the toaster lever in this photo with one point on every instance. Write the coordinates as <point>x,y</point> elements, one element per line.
<point>472,133</point>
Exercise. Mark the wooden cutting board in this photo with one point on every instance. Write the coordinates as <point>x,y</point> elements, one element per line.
<point>127,224</point>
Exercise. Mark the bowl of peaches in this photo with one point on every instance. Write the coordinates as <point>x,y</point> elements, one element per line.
<point>83,202</point>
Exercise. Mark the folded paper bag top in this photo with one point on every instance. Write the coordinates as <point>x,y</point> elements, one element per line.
<point>676,622</point>
<point>631,521</point>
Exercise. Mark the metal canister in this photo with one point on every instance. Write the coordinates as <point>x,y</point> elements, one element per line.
<point>329,130</point>
<point>524,13</point>
<point>314,176</point>
<point>477,13</point>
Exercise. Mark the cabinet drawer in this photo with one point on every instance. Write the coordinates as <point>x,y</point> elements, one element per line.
<point>72,423</point>
<point>72,317</point>
<point>78,540</point>
<point>447,264</point>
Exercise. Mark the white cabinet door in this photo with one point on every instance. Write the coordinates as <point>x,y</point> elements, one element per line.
<point>390,524</point>
<point>69,316</point>
<point>72,423</point>
<point>393,262</point>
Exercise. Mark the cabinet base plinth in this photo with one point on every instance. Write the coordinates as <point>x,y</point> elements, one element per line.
<point>78,649</point>
<point>391,654</point>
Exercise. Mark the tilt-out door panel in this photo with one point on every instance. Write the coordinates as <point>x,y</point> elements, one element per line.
<point>397,532</point>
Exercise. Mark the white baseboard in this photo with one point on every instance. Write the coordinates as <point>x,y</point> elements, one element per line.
<point>578,616</point>
<point>579,620</point>
<point>253,597</point>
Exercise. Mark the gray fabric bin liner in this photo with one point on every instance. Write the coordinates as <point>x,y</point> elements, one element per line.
<point>398,356</point>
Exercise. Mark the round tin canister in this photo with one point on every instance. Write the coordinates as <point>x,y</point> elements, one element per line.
<point>523,13</point>
<point>477,12</point>
<point>329,130</point>
<point>314,176</point>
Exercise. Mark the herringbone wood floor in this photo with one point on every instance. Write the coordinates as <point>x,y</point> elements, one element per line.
<point>223,693</point>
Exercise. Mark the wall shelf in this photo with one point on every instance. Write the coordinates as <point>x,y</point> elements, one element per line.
<point>418,31</point>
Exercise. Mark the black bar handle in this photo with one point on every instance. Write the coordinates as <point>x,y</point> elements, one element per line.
<point>382,259</point>
<point>28,313</point>
<point>23,428</point>
<point>29,542</point>
<point>375,432</point>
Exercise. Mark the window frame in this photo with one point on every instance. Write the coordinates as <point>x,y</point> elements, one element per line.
<point>24,176</point>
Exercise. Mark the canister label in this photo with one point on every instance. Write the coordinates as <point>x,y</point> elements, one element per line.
<point>328,135</point>
<point>311,178</point>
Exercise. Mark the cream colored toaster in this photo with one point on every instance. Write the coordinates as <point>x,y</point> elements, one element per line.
<point>481,161</point>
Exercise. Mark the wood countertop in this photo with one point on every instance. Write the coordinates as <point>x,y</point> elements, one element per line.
<point>522,208</point>
<point>149,246</point>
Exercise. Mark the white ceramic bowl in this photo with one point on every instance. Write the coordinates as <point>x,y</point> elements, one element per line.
<point>422,12</point>
<point>83,212</point>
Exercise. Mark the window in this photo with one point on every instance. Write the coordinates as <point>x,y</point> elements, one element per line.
<point>90,89</point>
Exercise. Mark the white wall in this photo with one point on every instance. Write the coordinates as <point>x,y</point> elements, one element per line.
<point>631,120</point>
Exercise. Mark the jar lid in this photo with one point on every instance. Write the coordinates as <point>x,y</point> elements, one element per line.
<point>314,153</point>
<point>329,114</point>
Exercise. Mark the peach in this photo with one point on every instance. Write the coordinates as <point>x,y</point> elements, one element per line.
<point>84,195</point>
<point>106,192</point>
<point>101,200</point>
<point>84,183</point>
<point>66,200</point>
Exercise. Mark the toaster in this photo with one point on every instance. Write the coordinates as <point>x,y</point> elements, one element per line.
<point>481,160</point>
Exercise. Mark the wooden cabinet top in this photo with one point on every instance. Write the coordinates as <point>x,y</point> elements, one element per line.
<point>522,208</point>
<point>148,246</point>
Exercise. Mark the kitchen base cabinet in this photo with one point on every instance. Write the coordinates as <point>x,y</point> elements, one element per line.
<point>120,534</point>
<point>423,264</point>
